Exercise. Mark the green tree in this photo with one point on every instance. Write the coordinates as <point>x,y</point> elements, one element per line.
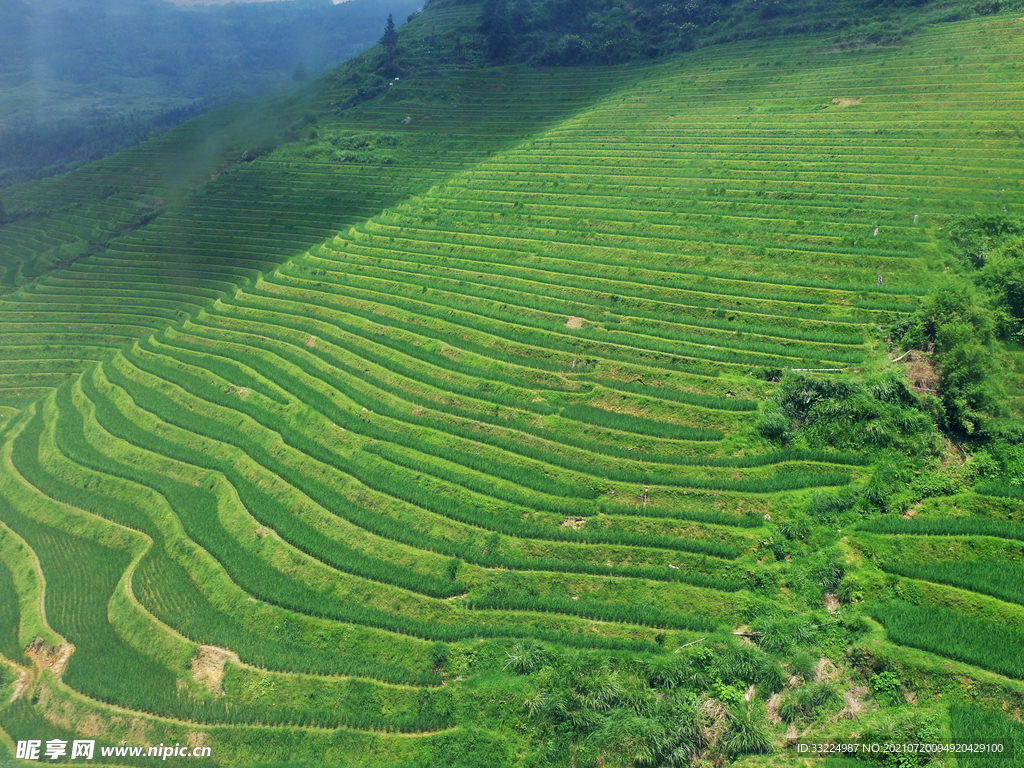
<point>496,24</point>
<point>955,317</point>
<point>1003,277</point>
<point>390,40</point>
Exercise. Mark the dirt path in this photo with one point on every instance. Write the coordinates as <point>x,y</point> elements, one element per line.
<point>25,677</point>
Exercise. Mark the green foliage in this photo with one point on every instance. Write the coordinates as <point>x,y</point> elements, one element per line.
<point>622,421</point>
<point>667,733</point>
<point>960,321</point>
<point>779,634</point>
<point>804,663</point>
<point>774,423</point>
<point>570,34</point>
<point>527,657</point>
<point>848,414</point>
<point>887,688</point>
<point>746,734</point>
<point>692,515</point>
<point>809,701</point>
<point>831,508</point>
<point>762,581</point>
<point>390,40</point>
<point>744,665</point>
<point>645,711</point>
<point>905,728</point>
<point>975,237</point>
<point>1005,490</point>
<point>688,398</point>
<point>998,462</point>
<point>899,481</point>
<point>826,568</point>
<point>629,614</point>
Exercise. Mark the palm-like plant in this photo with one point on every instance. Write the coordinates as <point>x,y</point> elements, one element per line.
<point>746,734</point>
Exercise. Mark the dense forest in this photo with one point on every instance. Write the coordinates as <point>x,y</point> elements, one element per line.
<point>567,32</point>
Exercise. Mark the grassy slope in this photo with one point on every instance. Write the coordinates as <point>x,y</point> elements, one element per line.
<point>403,413</point>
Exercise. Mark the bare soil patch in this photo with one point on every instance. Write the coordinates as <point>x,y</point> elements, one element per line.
<point>574,522</point>
<point>921,372</point>
<point>847,101</point>
<point>196,739</point>
<point>311,341</point>
<point>743,634</point>
<point>21,684</point>
<point>208,667</point>
<point>91,726</point>
<point>717,715</point>
<point>46,656</point>
<point>825,671</point>
<point>854,705</point>
<point>574,322</point>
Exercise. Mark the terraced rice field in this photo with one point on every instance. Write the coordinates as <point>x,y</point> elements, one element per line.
<point>336,431</point>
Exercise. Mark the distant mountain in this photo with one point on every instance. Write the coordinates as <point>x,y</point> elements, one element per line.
<point>81,79</point>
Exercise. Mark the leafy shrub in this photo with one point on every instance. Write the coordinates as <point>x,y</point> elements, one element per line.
<point>773,424</point>
<point>846,413</point>
<point>955,318</point>
<point>887,688</point>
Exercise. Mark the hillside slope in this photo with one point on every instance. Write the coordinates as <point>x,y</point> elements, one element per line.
<point>442,441</point>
